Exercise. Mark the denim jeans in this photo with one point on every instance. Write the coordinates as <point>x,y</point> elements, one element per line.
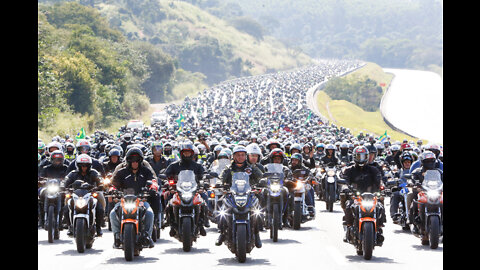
<point>148,219</point>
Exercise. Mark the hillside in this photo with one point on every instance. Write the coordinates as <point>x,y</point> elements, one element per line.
<point>200,41</point>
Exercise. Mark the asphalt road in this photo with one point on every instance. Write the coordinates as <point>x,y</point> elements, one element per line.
<point>318,244</point>
<point>414,103</point>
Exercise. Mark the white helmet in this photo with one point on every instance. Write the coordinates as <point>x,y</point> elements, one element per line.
<point>253,148</point>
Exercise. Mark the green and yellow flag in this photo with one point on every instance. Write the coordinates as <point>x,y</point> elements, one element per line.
<point>81,134</point>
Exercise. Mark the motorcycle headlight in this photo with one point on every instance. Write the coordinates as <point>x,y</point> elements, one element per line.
<point>367,204</point>
<point>53,189</point>
<point>331,173</point>
<point>129,206</point>
<point>106,181</point>
<point>187,196</point>
<point>81,203</point>
<point>275,187</point>
<point>299,185</point>
<point>433,194</point>
<point>241,200</point>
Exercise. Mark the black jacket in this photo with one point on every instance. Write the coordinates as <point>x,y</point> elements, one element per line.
<point>157,167</point>
<point>366,179</point>
<point>126,179</point>
<point>97,165</point>
<point>51,171</point>
<point>254,172</point>
<point>92,177</point>
<point>176,167</point>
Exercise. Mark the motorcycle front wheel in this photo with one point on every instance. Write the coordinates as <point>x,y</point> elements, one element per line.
<point>434,232</point>
<point>51,223</point>
<point>129,233</point>
<point>187,234</point>
<point>368,240</point>
<point>241,250</point>
<point>297,215</point>
<point>81,235</point>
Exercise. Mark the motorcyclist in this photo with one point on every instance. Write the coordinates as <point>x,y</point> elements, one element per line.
<point>83,147</point>
<point>57,170</point>
<point>85,172</point>
<point>156,159</point>
<point>330,155</point>
<point>320,151</point>
<point>308,160</point>
<point>428,161</point>
<point>394,157</point>
<point>52,146</point>
<point>134,177</point>
<point>239,164</point>
<point>343,155</point>
<point>69,151</point>
<point>186,162</point>
<point>254,155</point>
<point>114,159</point>
<point>296,164</point>
<point>277,156</point>
<point>406,160</point>
<point>363,178</point>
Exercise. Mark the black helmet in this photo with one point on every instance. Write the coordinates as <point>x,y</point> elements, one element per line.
<point>360,155</point>
<point>134,154</point>
<point>57,157</point>
<point>406,156</point>
<point>277,152</point>
<point>184,147</point>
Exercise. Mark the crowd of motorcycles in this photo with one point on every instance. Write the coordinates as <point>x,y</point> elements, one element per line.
<point>264,113</point>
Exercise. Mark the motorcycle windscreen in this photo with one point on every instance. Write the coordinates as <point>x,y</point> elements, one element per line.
<point>274,167</point>
<point>240,183</point>
<point>432,180</point>
<point>186,181</point>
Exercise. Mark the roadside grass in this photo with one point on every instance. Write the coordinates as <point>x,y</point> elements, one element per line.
<point>349,115</point>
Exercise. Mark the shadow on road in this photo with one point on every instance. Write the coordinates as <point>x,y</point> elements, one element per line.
<point>179,250</point>
<point>74,252</point>
<point>58,241</point>
<point>249,261</point>
<point>427,247</point>
<point>374,259</point>
<point>136,260</point>
<point>280,241</point>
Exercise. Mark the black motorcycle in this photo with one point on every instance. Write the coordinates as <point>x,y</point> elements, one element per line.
<point>52,208</point>
<point>82,201</point>
<point>242,215</point>
<point>187,206</point>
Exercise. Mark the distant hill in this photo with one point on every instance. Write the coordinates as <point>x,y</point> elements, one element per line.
<point>200,41</point>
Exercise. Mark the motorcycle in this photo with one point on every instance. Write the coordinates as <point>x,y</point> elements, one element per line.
<point>132,220</point>
<point>187,206</point>
<point>404,187</point>
<point>82,202</point>
<point>330,186</point>
<point>363,233</point>
<point>242,213</point>
<point>430,209</point>
<point>301,212</point>
<point>275,207</point>
<point>107,183</point>
<point>52,205</point>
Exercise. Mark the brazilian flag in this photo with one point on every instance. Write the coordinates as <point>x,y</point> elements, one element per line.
<point>81,134</point>
<point>181,122</point>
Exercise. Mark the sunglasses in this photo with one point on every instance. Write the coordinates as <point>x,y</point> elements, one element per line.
<point>83,165</point>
